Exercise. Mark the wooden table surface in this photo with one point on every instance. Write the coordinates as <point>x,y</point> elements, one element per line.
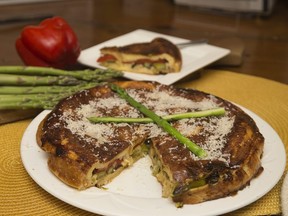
<point>260,43</point>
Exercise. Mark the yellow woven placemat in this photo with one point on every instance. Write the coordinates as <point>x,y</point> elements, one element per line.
<point>20,195</point>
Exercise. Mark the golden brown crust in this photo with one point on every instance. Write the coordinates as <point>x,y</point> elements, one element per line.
<point>69,171</point>
<point>237,164</point>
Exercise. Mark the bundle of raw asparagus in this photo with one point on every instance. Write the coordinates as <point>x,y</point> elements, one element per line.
<point>41,87</point>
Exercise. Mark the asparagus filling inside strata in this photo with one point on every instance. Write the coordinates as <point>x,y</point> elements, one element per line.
<point>170,187</point>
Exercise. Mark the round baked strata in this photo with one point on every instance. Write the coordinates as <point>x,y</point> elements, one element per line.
<point>84,154</point>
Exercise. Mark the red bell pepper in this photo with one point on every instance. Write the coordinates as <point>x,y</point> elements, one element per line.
<point>52,43</point>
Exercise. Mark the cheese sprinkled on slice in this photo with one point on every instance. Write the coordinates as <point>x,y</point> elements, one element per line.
<point>161,102</point>
<point>214,133</point>
<point>213,130</point>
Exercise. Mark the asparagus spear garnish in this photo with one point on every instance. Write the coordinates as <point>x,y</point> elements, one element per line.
<point>194,148</point>
<point>96,74</point>
<point>197,114</point>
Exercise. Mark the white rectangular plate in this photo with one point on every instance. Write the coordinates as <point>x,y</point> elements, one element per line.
<point>194,57</point>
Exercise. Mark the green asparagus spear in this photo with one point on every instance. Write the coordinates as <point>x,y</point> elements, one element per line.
<point>44,89</point>
<point>45,97</point>
<point>211,112</point>
<point>96,74</point>
<point>27,105</point>
<point>44,101</point>
<point>25,80</point>
<point>198,151</point>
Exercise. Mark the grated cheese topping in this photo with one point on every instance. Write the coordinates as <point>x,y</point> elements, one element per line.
<point>213,129</point>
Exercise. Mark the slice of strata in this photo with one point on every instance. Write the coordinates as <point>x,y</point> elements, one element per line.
<point>83,154</point>
<point>159,56</point>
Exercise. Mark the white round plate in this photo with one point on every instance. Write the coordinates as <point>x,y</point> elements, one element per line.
<point>137,192</point>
